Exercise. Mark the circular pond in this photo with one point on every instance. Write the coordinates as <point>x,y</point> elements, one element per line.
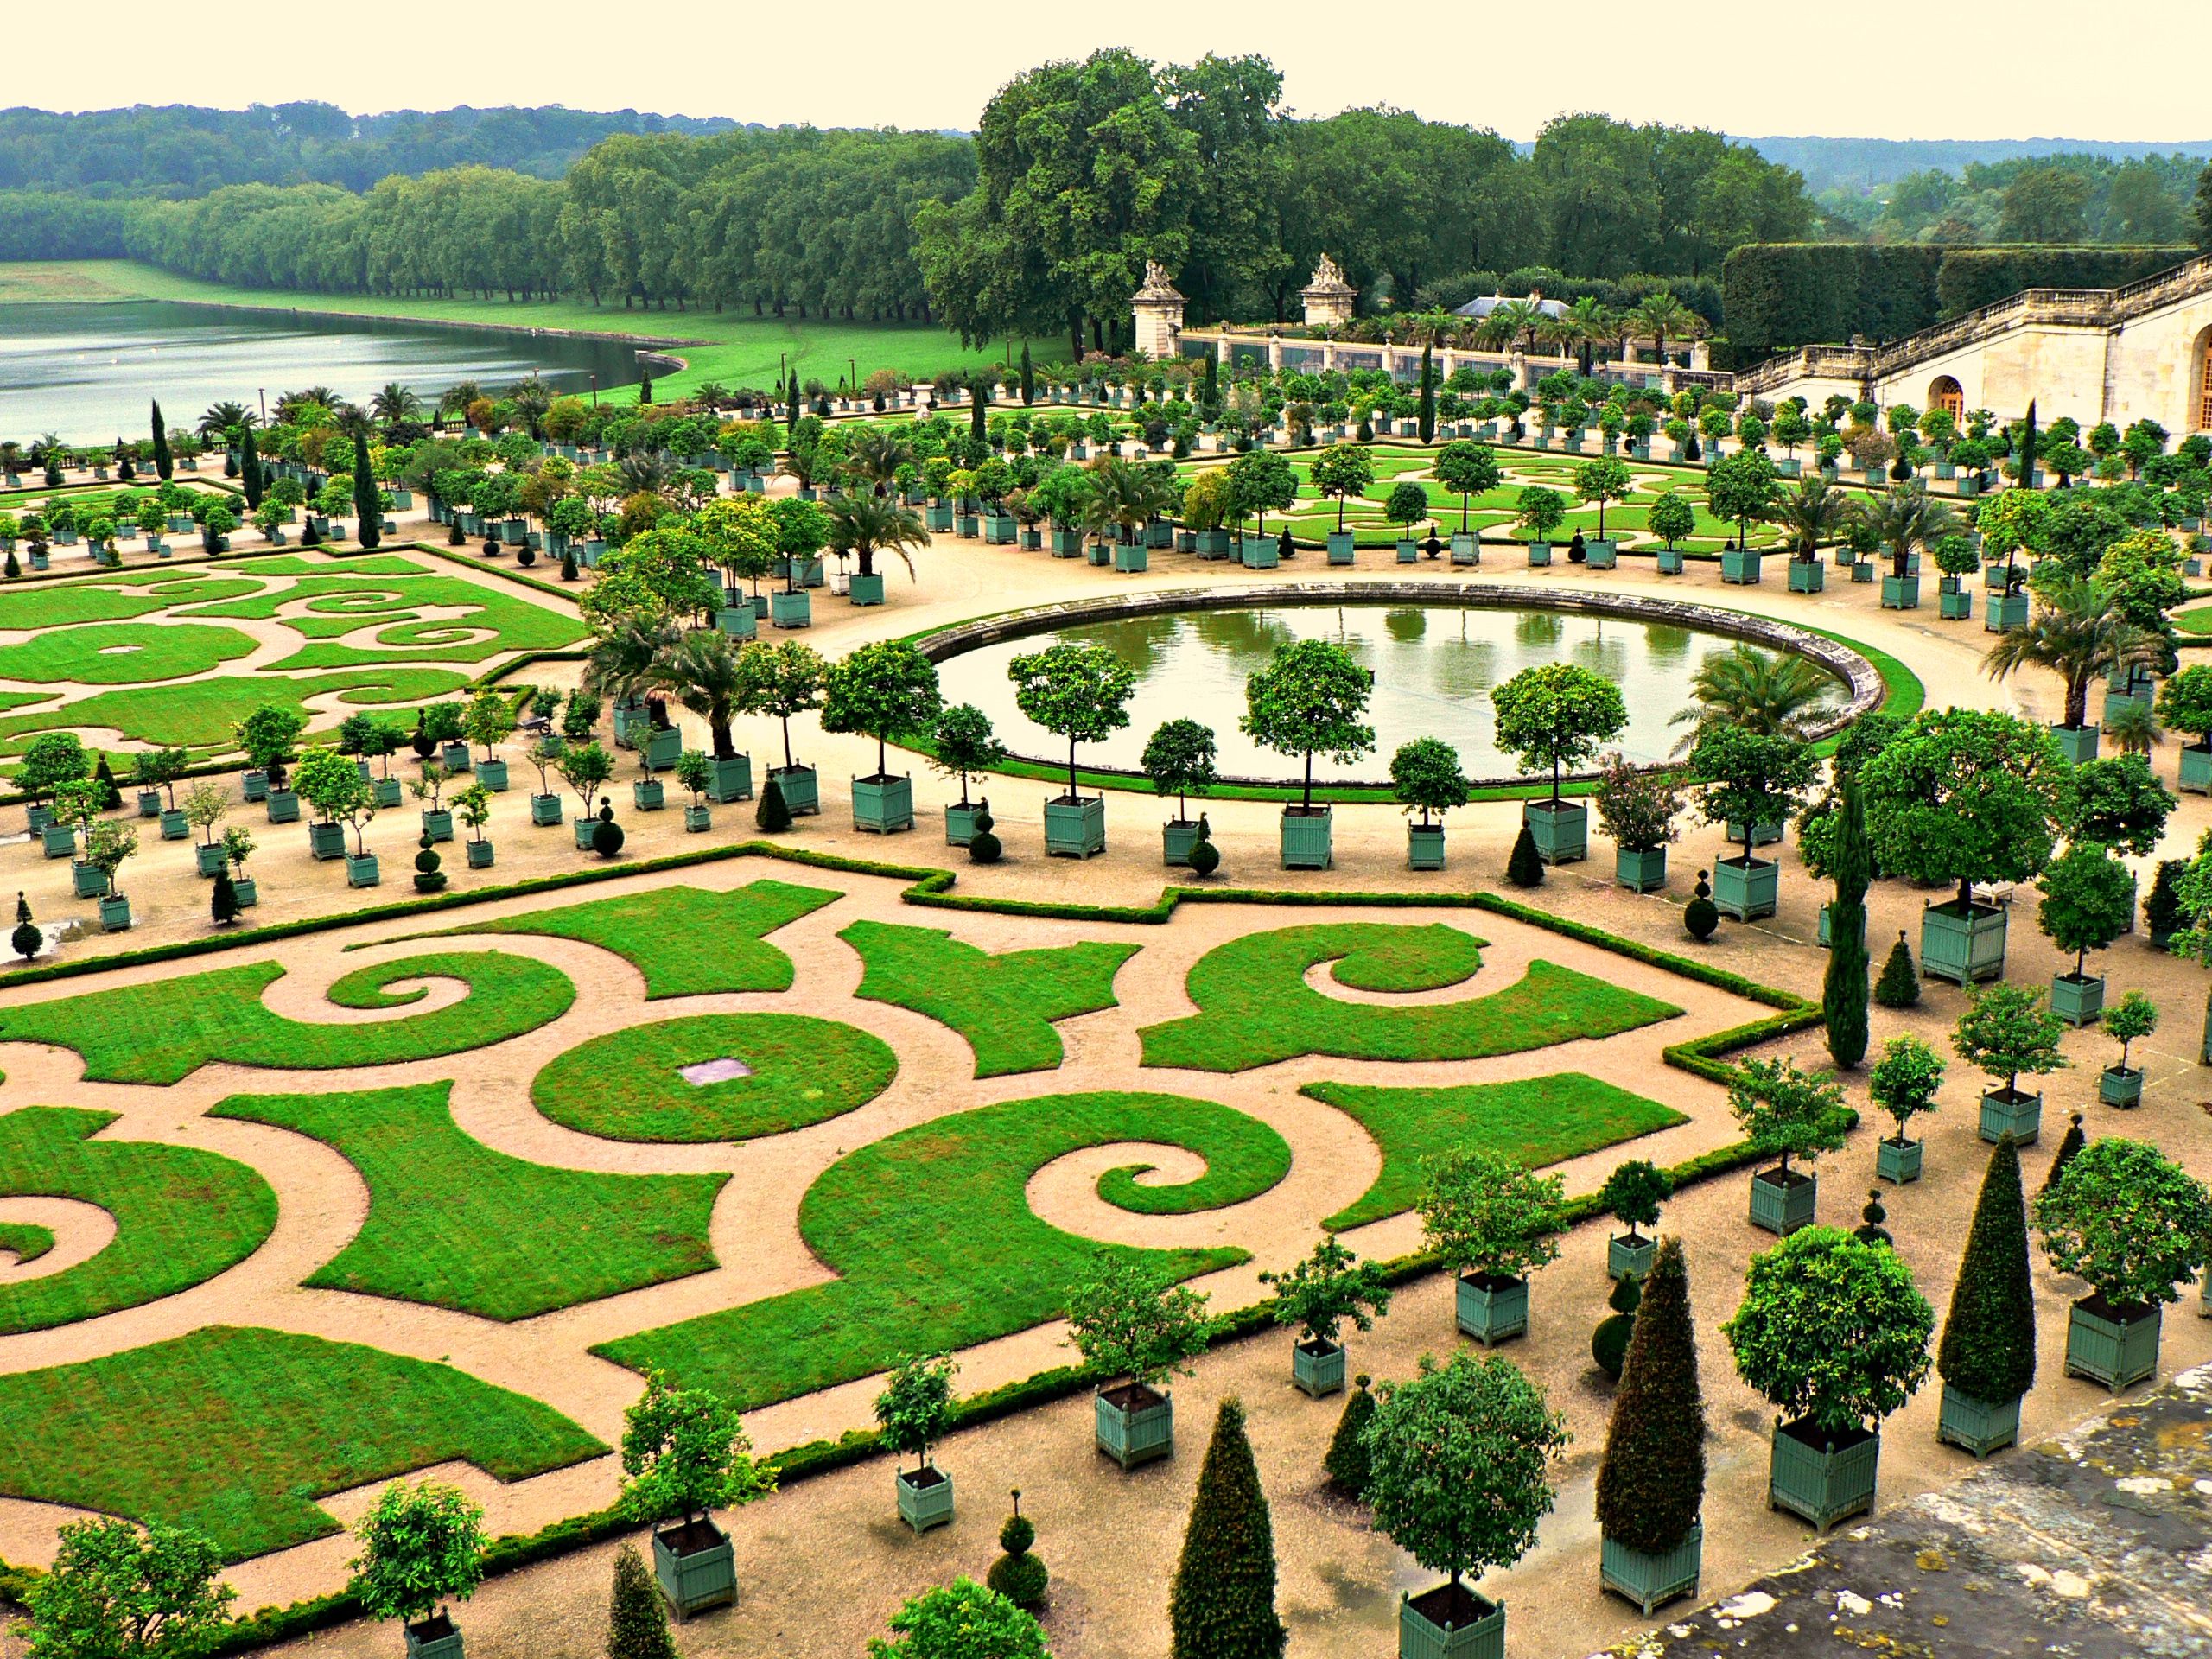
<point>1435,663</point>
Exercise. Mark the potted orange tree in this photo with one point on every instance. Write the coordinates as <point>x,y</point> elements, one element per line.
<point>1318,1295</point>
<point>1134,1330</point>
<point>683,1455</point>
<point>1493,1224</point>
<point>912,1414</point>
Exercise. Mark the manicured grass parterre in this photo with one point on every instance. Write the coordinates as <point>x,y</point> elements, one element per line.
<point>628,1085</point>
<point>935,1246</point>
<point>237,1431</point>
<point>163,1032</point>
<point>686,941</point>
<point>201,716</point>
<point>122,653</point>
<point>492,621</point>
<point>455,1224</point>
<point>25,1240</point>
<point>1533,1120</point>
<point>1255,1006</point>
<point>182,1215</point>
<point>113,596</point>
<point>1003,1004</point>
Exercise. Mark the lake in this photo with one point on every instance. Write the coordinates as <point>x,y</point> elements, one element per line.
<point>87,371</point>
<point>1434,667</point>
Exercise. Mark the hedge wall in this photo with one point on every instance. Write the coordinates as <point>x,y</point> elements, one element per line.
<point>1777,296</point>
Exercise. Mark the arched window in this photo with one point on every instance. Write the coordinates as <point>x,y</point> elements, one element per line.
<point>1946,394</point>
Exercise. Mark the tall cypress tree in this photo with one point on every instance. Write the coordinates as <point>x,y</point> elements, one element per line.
<point>790,403</point>
<point>976,407</point>
<point>1428,393</point>
<point>1223,1605</point>
<point>1988,1349</point>
<point>366,507</point>
<point>1028,377</point>
<point>1211,397</point>
<point>636,1623</point>
<point>1843,997</point>
<point>1651,1485</point>
<point>249,468</point>
<point>164,464</point>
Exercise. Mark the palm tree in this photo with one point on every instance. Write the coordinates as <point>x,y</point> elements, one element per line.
<point>706,673</point>
<point>1593,322</point>
<point>2077,636</point>
<point>222,419</point>
<point>2133,726</point>
<point>875,456</point>
<point>1811,516</point>
<point>395,403</point>
<point>1664,317</point>
<point>1906,521</point>
<point>454,400</point>
<point>532,398</point>
<point>1560,330</point>
<point>1775,694</point>
<point>1519,319</point>
<point>864,525</point>
<point>621,664</point>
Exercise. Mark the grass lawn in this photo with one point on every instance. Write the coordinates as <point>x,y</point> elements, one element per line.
<point>1004,1005</point>
<point>936,1247</point>
<point>163,1032</point>
<point>200,715</point>
<point>122,653</point>
<point>739,348</point>
<point>1533,1120</point>
<point>25,1240</point>
<point>236,1432</point>
<point>1255,1006</point>
<point>686,941</point>
<point>455,1224</point>
<point>114,597</point>
<point>628,1085</point>
<point>324,607</point>
<point>182,1215</point>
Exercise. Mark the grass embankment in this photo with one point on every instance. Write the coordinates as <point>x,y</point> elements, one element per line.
<point>739,349</point>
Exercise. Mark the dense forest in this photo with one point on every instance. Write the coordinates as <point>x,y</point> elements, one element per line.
<point>1864,164</point>
<point>182,149</point>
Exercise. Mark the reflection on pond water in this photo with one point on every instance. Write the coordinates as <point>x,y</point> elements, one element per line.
<point>1434,668</point>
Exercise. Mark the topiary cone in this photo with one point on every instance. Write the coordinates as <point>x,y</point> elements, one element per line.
<point>1346,1461</point>
<point>1525,869</point>
<point>1899,985</point>
<point>1018,1575</point>
<point>774,815</point>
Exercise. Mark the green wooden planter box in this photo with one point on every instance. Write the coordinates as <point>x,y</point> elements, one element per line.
<point>1900,593</point>
<point>960,823</point>
<point>1340,547</point>
<point>1540,553</point>
<point>480,853</point>
<point>2017,1115</point>
<point>2077,743</point>
<point>2110,1345</point>
<point>937,516</point>
<point>663,746</point>
<point>738,621</point>
<point>1746,888</point>
<point>211,858</point>
<point>115,914</point>
<point>361,870</point>
<point>1075,829</point>
<point>1466,549</point>
<point>2003,612</point>
<point>809,573</point>
<point>1491,1307</point>
<point>998,530</point>
<point>88,881</point>
<point>1640,870</point>
<point>1318,1368</point>
<point>1628,1255</point>
<point>1898,1161</point>
<point>1740,567</point>
<point>437,1637</point>
<point>791,610</point>
<point>1823,1482</point>
<point>1259,553</point>
<point>492,774</point>
<point>1976,1425</point>
<point>455,757</point>
<point>1651,1580</point>
<point>966,525</point>
<point>59,840</point>
<point>1669,561</point>
<point>282,806</point>
<point>1131,560</point>
<point>1862,572</point>
<point>1560,829</point>
<point>883,804</point>
<point>2116,1087</point>
<point>1421,1638</point>
<point>729,778</point>
<point>2196,768</point>
<point>1601,555</point>
<point>1307,839</point>
<point>1962,948</point>
<point>584,827</point>
<point>698,1579</point>
<point>388,792</point>
<point>2079,1001</point>
<point>648,794</point>
<point>801,787</point>
<point>1953,607</point>
<point>546,810</point>
<point>325,842</point>
<point>1782,1207</point>
<point>1762,834</point>
<point>1137,1432</point>
<point>1806,576</point>
<point>865,590</point>
<point>437,825</point>
<point>39,817</point>
<point>1424,847</point>
<point>150,802</point>
<point>924,1503</point>
<point>1176,837</point>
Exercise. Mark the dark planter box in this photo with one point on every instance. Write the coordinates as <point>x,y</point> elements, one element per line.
<point>2121,1086</point>
<point>1491,1307</point>
<point>1176,837</point>
<point>1746,888</point>
<point>1466,548</point>
<point>2196,768</point>
<point>435,1638</point>
<point>2003,612</point>
<point>1628,1255</point>
<point>1131,560</point>
<point>1898,1160</point>
<point>1976,1425</point>
<point>1962,947</point>
<point>585,828</point>
<point>1640,871</point>
<point>325,842</point>
<point>2010,1112</point>
<point>1782,1207</point>
<point>1340,547</point>
<point>2079,999</point>
<point>1075,828</point>
<point>1307,839</point>
<point>883,804</point>
<point>1650,1580</point>
<point>1669,561</point>
<point>801,787</point>
<point>2116,1346</point>
<point>1825,1478</point>
<point>150,802</point>
<point>1955,606</point>
<point>1134,1424</point>
<point>282,806</point>
<point>1318,1367</point>
<point>1450,1622</point>
<point>1560,830</point>
<point>2077,743</point>
<point>865,590</point>
<point>1900,593</point>
<point>925,1498</point>
<point>695,1566</point>
<point>1424,846</point>
<point>455,758</point>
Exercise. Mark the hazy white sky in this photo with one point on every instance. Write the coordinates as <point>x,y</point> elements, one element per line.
<point>2132,69</point>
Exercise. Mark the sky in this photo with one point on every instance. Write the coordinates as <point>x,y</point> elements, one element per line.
<point>2029,68</point>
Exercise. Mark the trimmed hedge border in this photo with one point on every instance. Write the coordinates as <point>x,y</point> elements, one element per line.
<point>1702,1057</point>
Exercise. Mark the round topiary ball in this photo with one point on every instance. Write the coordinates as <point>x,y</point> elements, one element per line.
<point>607,838</point>
<point>427,876</point>
<point>1609,1343</point>
<point>1701,916</point>
<point>1205,857</point>
<point>983,847</point>
<point>525,555</point>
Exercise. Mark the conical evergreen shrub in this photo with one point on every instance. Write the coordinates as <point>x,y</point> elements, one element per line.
<point>1651,1485</point>
<point>2073,1142</point>
<point>637,1622</point>
<point>1843,996</point>
<point>1525,869</point>
<point>110,792</point>
<point>1018,1575</point>
<point>1988,1349</point>
<point>1222,1605</point>
<point>224,903</point>
<point>1347,1461</point>
<point>1609,1342</point>
<point>1899,985</point>
<point>774,815</point>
